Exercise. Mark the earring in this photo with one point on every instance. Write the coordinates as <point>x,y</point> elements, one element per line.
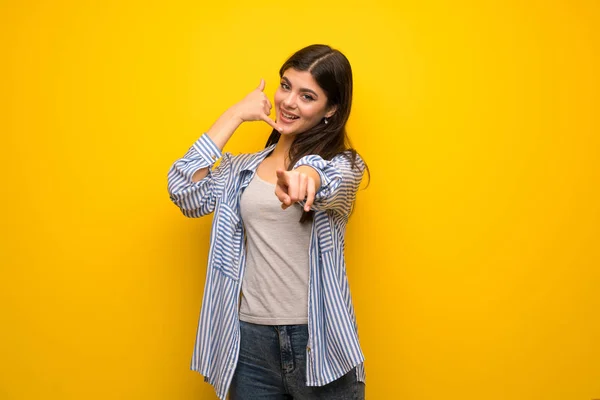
<point>326,121</point>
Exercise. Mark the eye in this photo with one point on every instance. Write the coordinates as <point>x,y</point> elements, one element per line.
<point>285,86</point>
<point>308,97</point>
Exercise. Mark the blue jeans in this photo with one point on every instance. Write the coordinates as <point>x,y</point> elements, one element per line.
<point>272,366</point>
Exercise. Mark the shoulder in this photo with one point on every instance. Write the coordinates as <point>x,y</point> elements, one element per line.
<point>350,159</point>
<point>242,161</point>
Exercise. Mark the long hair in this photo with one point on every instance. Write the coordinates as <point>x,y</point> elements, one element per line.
<point>332,72</point>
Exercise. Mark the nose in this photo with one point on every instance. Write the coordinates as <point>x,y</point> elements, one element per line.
<point>289,101</point>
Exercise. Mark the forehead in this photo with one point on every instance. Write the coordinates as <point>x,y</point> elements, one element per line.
<point>302,80</point>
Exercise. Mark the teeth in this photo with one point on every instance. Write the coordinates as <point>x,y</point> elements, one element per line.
<point>288,115</point>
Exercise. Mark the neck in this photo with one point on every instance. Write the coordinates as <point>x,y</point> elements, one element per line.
<point>282,150</point>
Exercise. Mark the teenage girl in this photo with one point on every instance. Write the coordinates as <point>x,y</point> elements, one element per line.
<point>277,320</point>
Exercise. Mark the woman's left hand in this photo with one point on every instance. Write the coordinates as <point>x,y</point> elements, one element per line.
<point>297,185</point>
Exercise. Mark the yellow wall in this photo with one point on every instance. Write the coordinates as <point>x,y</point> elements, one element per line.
<point>473,256</point>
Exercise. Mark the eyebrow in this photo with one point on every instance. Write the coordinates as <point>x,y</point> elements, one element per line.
<point>301,89</point>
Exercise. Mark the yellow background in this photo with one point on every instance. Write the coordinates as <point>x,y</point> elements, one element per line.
<point>473,257</point>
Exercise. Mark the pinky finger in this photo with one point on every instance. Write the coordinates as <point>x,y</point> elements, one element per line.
<point>269,121</point>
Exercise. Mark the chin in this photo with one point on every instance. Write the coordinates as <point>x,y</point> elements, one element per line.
<point>292,133</point>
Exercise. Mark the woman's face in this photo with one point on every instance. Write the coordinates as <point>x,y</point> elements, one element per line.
<point>300,103</point>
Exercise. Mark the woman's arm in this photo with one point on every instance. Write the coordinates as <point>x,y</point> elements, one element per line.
<point>320,184</point>
<point>254,107</point>
<point>192,186</point>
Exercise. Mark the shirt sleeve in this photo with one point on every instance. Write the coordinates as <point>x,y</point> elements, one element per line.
<point>196,199</point>
<point>339,181</point>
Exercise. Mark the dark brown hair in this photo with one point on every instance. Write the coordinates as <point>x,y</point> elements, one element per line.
<point>332,72</point>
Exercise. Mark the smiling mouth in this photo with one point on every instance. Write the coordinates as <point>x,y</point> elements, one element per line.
<point>287,116</point>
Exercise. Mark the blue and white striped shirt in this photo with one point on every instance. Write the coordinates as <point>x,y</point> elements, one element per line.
<point>333,347</point>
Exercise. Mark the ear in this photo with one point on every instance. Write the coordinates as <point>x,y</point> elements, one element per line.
<point>331,111</point>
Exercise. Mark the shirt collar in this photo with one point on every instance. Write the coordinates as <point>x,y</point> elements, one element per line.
<point>251,163</point>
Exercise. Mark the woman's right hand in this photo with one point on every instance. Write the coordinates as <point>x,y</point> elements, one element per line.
<point>256,107</point>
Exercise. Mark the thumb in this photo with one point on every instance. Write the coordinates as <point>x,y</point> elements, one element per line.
<point>261,87</point>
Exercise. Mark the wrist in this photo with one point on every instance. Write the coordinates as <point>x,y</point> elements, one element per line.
<point>234,113</point>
